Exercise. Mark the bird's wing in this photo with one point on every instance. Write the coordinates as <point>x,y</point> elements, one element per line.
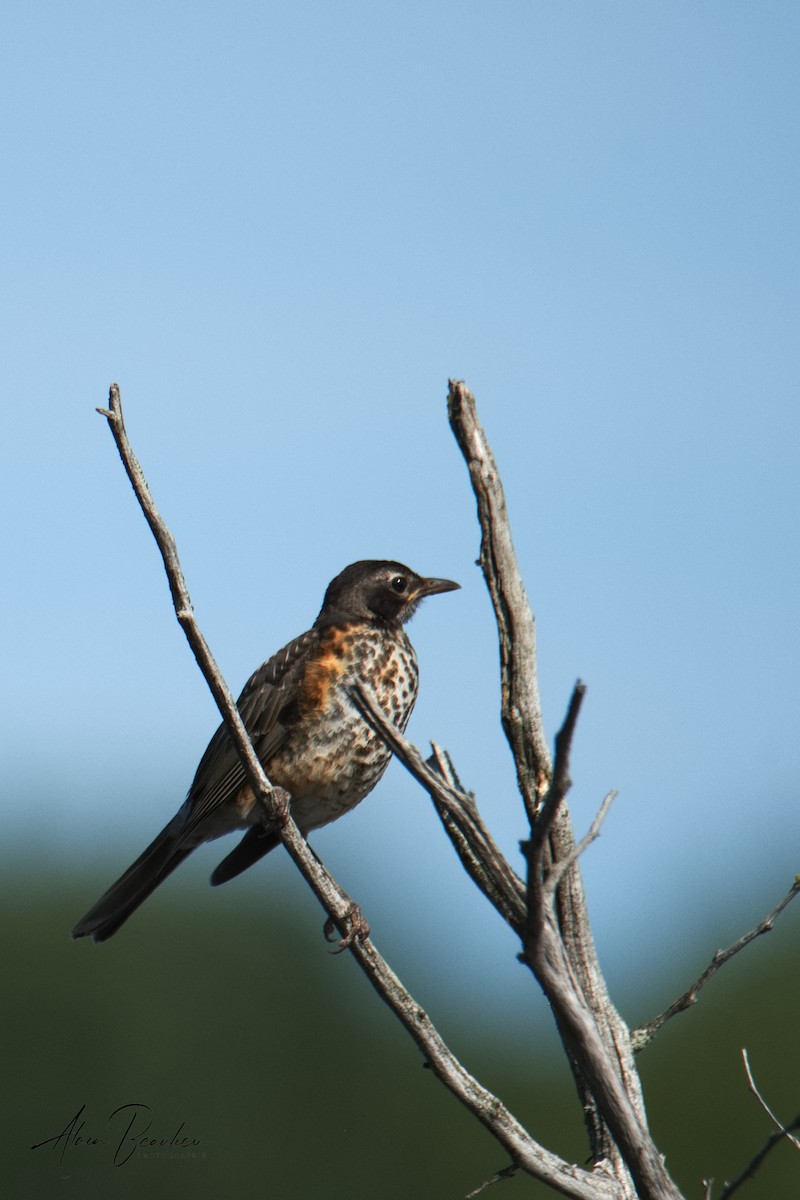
<point>220,775</point>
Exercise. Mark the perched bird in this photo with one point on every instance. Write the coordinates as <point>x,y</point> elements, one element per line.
<point>307,733</point>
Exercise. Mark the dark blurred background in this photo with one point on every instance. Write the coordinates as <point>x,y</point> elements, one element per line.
<point>236,1023</point>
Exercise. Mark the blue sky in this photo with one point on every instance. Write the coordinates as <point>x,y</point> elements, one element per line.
<point>281,228</point>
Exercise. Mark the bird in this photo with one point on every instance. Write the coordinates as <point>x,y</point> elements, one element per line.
<point>305,728</point>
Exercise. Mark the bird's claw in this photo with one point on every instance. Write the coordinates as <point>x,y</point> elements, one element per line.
<point>357,929</point>
<point>282,801</point>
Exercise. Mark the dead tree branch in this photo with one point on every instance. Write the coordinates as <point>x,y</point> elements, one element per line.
<point>547,910</point>
<point>458,812</point>
<point>521,710</point>
<point>483,861</point>
<point>645,1033</point>
<point>559,869</point>
<point>478,853</point>
<point>522,721</point>
<point>782,1132</point>
<point>546,954</point>
<point>523,1150</point>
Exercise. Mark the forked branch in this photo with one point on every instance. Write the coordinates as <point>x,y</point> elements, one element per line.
<point>547,911</point>
<point>782,1133</point>
<point>458,812</point>
<point>522,721</point>
<point>527,1154</point>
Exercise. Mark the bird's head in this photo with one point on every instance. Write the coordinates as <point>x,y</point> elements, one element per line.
<point>375,590</point>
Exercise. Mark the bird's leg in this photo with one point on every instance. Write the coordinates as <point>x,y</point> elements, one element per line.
<point>282,802</point>
<point>357,928</point>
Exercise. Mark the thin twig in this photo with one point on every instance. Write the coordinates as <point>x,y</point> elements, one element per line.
<point>751,1083</point>
<point>479,854</point>
<point>498,1177</point>
<point>645,1033</point>
<point>755,1163</point>
<point>542,1164</point>
<point>560,782</point>
<point>757,1160</point>
<point>183,605</point>
<point>782,1132</point>
<point>559,869</point>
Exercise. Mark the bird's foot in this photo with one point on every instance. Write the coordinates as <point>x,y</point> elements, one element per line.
<point>282,801</point>
<point>357,929</point>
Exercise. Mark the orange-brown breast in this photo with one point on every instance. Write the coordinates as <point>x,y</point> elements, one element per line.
<point>326,670</point>
<point>331,758</point>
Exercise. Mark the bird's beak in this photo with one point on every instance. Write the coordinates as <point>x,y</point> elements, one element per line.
<point>431,587</point>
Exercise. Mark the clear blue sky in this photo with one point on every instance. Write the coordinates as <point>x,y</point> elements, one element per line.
<point>281,228</point>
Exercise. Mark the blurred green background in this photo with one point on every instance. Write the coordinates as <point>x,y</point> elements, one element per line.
<point>297,1081</point>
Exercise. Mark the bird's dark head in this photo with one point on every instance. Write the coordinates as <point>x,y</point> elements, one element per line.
<point>379,591</point>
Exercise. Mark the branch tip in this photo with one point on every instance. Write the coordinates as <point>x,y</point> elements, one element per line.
<point>782,1131</point>
<point>645,1034</point>
<point>498,1177</point>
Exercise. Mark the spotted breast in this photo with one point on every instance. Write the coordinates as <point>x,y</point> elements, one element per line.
<point>331,758</point>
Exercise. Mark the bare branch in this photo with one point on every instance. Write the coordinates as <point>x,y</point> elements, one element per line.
<point>546,954</point>
<point>645,1034</point>
<point>560,782</point>
<point>522,721</point>
<point>559,869</point>
<point>547,957</point>
<point>183,606</point>
<point>458,812</point>
<point>564,1177</point>
<point>521,710</point>
<point>751,1083</point>
<point>782,1132</point>
<point>498,1177</point>
<point>755,1163</point>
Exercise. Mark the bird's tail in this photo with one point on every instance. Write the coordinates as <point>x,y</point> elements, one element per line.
<point>123,897</point>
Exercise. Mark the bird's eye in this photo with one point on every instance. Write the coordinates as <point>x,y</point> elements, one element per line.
<point>399,584</point>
